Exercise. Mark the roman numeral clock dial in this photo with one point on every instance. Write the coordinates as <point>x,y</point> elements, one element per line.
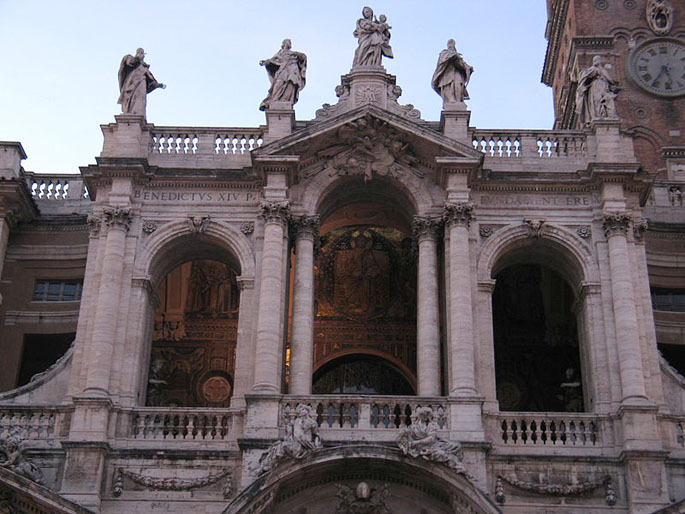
<point>658,66</point>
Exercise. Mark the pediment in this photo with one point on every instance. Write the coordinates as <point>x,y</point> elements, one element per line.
<point>367,141</point>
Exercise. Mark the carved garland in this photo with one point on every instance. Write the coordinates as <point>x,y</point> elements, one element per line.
<point>557,489</point>
<point>172,484</point>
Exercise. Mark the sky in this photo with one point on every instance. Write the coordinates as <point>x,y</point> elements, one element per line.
<point>59,80</point>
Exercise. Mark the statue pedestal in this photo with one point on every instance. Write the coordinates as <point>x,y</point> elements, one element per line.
<point>128,137</point>
<point>280,120</point>
<point>11,155</point>
<point>454,122</point>
<point>368,85</point>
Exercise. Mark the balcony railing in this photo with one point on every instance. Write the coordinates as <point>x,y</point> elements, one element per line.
<point>545,429</point>
<point>55,187</point>
<point>184,424</point>
<point>367,413</point>
<point>180,141</point>
<point>542,144</point>
<point>34,423</point>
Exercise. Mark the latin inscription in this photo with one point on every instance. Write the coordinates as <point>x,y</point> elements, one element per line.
<point>535,201</point>
<point>235,197</point>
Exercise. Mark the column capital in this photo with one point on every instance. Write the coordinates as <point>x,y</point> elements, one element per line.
<point>640,226</point>
<point>426,227</point>
<point>275,212</point>
<point>461,213</point>
<point>616,223</point>
<point>117,217</point>
<point>305,226</point>
<point>95,224</point>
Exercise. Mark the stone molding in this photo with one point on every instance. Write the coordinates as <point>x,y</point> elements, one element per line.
<point>462,213</point>
<point>616,223</point>
<point>245,282</point>
<point>306,226</point>
<point>275,212</point>
<point>117,217</point>
<point>426,227</point>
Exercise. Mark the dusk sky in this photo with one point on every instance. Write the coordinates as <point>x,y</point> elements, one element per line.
<point>59,80</point>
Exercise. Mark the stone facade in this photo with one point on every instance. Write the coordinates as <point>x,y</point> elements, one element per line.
<point>363,312</point>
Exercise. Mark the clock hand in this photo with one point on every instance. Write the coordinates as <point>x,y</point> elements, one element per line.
<point>656,79</point>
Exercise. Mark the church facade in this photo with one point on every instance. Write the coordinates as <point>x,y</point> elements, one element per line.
<point>365,312</point>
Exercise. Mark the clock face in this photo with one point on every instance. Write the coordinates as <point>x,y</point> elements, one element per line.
<point>658,66</point>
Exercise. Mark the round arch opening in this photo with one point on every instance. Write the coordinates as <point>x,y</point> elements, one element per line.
<point>365,287</point>
<point>195,324</point>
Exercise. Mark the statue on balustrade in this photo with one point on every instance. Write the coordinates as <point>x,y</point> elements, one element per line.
<point>595,93</point>
<point>452,74</point>
<point>420,439</point>
<point>301,437</point>
<point>135,82</point>
<point>12,448</point>
<point>374,39</point>
<point>288,74</point>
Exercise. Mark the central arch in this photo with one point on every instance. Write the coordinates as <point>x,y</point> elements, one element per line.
<point>414,486</point>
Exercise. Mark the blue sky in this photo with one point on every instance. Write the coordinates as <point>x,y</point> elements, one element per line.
<point>59,79</point>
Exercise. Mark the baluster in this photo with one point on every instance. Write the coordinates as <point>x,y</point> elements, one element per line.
<point>386,415</point>
<point>524,431</point>
<point>680,434</point>
<point>407,415</point>
<point>375,416</point>
<point>563,432</point>
<point>533,426</point>
<point>514,431</point>
<point>344,415</point>
<point>505,433</point>
<point>553,432</point>
<point>543,431</point>
<point>354,415</point>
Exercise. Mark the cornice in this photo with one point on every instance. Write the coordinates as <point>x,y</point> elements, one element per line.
<point>554,33</point>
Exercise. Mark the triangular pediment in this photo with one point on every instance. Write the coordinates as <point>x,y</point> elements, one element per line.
<point>365,141</point>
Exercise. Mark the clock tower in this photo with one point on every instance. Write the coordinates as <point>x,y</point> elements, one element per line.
<point>642,43</point>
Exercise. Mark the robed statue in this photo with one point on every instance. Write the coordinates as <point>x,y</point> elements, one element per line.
<point>135,82</point>
<point>595,93</point>
<point>374,39</point>
<point>288,74</point>
<point>451,76</point>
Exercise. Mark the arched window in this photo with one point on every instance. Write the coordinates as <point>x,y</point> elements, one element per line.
<point>192,359</point>
<point>365,290</point>
<point>537,354</point>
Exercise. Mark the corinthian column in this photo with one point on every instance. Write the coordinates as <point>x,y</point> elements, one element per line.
<point>269,335</point>
<point>616,225</point>
<point>302,343</point>
<point>457,219</point>
<point>99,356</point>
<point>427,316</point>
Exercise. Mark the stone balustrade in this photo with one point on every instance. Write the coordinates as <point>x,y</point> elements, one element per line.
<point>365,413</point>
<point>42,423</point>
<point>184,424</point>
<point>545,429</point>
<point>176,142</point>
<point>55,187</point>
<point>542,144</point>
